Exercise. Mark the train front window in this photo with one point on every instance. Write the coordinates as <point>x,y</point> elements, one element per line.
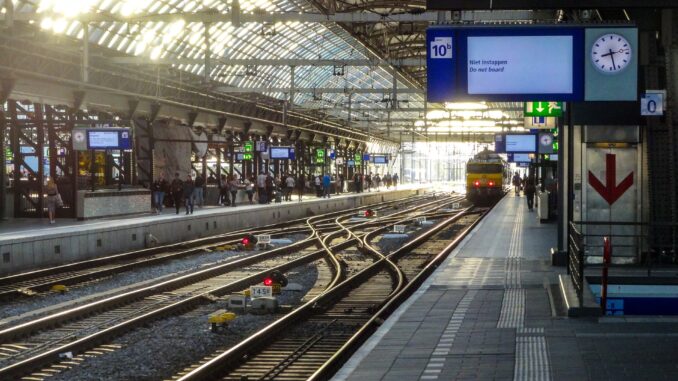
<point>484,168</point>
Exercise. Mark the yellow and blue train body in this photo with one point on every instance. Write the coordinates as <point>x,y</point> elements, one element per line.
<point>487,177</point>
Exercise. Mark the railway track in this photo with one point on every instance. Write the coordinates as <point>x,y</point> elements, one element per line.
<point>315,339</point>
<point>34,344</point>
<point>38,282</point>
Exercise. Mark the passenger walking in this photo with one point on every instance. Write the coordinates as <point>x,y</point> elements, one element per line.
<point>368,182</point>
<point>377,181</point>
<point>223,191</point>
<point>53,200</point>
<point>301,184</point>
<point>327,183</point>
<point>516,183</point>
<point>356,183</point>
<point>387,181</point>
<point>199,191</point>
<point>342,183</point>
<point>530,189</point>
<point>177,190</point>
<point>159,187</point>
<point>395,180</point>
<point>188,188</point>
<point>261,187</point>
<point>289,187</point>
<point>249,189</point>
<point>233,186</point>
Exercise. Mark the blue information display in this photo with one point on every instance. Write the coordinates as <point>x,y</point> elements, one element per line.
<point>380,159</point>
<point>521,143</point>
<point>519,158</point>
<point>280,153</point>
<point>505,64</point>
<point>350,163</point>
<point>366,157</point>
<point>109,138</point>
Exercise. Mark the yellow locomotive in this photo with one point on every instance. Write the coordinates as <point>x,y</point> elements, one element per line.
<point>487,177</point>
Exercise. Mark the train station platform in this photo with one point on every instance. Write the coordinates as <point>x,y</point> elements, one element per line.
<point>33,243</point>
<point>492,311</point>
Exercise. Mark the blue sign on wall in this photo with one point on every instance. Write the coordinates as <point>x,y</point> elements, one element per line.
<point>441,63</point>
<point>506,64</point>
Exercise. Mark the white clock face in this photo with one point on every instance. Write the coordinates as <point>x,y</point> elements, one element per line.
<point>546,140</point>
<point>79,136</point>
<point>611,53</point>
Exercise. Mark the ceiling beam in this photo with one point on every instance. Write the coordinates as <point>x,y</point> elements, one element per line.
<point>214,16</point>
<point>311,90</point>
<point>421,62</point>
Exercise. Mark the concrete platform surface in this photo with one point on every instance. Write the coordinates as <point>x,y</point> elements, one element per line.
<point>486,314</point>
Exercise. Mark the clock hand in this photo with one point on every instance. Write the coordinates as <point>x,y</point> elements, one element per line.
<point>614,66</point>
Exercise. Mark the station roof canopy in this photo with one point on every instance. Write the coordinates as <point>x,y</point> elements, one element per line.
<point>360,63</point>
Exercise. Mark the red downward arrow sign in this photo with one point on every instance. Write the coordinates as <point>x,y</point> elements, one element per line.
<point>611,191</point>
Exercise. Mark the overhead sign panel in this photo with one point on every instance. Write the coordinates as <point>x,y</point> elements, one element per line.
<point>105,139</point>
<point>501,64</point>
<point>521,143</point>
<point>456,5</point>
<point>506,64</point>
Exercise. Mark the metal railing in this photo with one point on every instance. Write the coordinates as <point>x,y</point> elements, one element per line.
<point>575,263</point>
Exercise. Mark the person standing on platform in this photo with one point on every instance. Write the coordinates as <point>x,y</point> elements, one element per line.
<point>395,180</point>
<point>233,186</point>
<point>189,188</point>
<point>377,181</point>
<point>270,186</point>
<point>53,198</point>
<point>249,189</point>
<point>530,189</point>
<point>516,183</point>
<point>289,185</point>
<point>261,187</point>
<point>368,182</point>
<point>199,191</point>
<point>159,187</point>
<point>356,183</point>
<point>177,190</point>
<point>327,183</point>
<point>387,180</point>
<point>223,191</point>
<point>301,184</point>
<point>318,182</point>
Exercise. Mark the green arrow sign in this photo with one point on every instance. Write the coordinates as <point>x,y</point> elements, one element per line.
<point>544,109</point>
<point>249,146</point>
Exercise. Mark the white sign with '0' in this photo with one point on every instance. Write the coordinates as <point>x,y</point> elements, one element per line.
<point>261,291</point>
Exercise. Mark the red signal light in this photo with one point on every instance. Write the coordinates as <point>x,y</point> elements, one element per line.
<point>491,183</point>
<point>268,282</point>
<point>476,183</point>
<point>245,241</point>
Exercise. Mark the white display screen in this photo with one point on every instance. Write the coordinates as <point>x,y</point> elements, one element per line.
<point>280,153</point>
<point>521,143</point>
<point>553,157</point>
<point>520,65</point>
<point>380,160</point>
<point>521,158</point>
<point>103,139</point>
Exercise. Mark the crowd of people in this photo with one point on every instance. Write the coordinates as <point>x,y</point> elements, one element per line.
<point>264,188</point>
